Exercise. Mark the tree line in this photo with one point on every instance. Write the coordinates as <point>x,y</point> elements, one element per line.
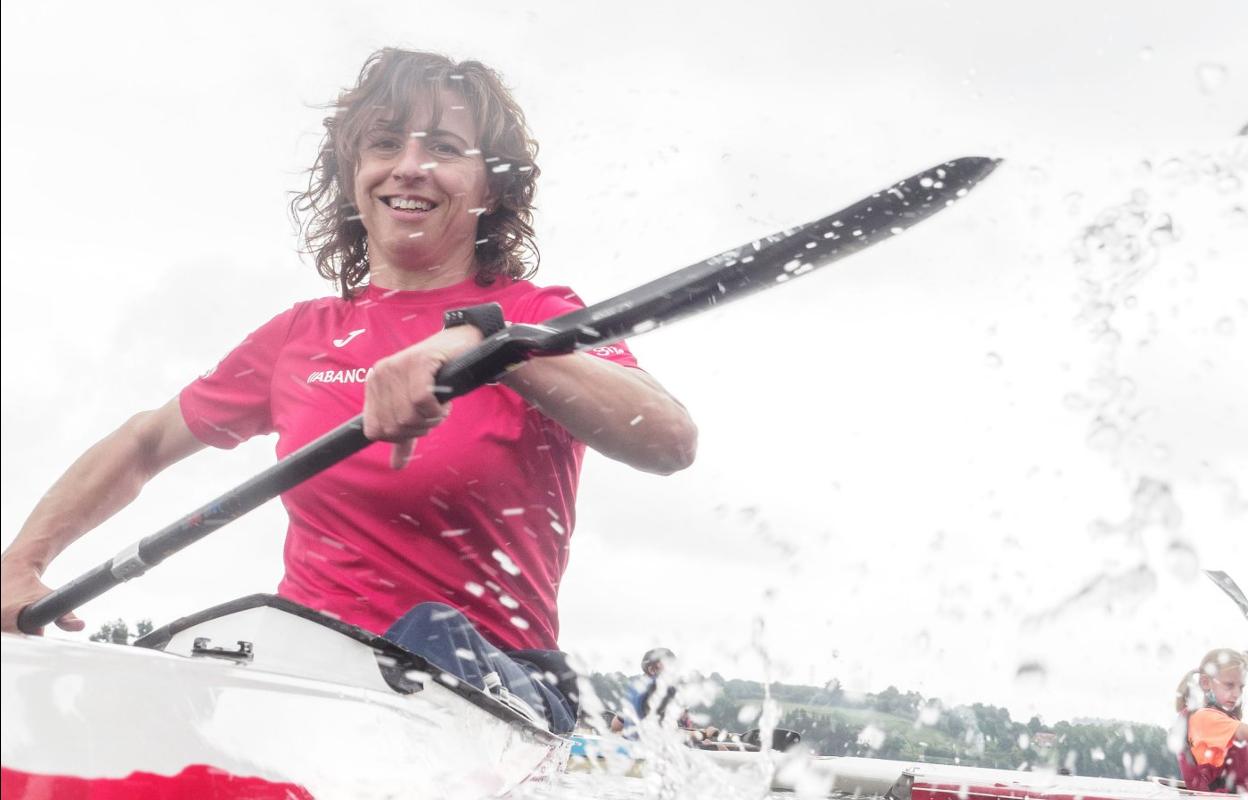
<point>907,726</point>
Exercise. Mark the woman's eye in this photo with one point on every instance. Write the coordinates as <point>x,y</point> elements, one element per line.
<point>384,145</point>
<point>444,149</point>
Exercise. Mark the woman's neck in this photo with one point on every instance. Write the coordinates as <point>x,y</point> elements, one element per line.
<point>421,278</point>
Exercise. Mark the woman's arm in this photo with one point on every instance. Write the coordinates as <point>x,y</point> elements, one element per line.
<point>622,413</point>
<point>100,483</point>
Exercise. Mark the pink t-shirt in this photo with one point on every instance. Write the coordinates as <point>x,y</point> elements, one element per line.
<point>479,519</point>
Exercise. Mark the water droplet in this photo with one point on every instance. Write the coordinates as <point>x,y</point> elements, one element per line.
<point>1163,231</point>
<point>993,361</point>
<point>1230,184</point>
<point>872,737</point>
<point>1211,76</point>
<point>1109,337</point>
<point>1225,326</point>
<point>1104,436</point>
<point>1031,676</point>
<point>1146,53</point>
<point>1182,560</point>
<point>748,713</point>
<point>1174,169</point>
<point>505,562</point>
<point>1076,402</point>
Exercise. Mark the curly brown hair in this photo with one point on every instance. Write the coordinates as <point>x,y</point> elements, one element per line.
<point>390,84</point>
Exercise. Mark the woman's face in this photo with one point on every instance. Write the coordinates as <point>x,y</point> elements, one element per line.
<point>1226,685</point>
<point>420,191</point>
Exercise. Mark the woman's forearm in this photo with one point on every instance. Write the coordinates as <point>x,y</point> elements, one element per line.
<point>622,413</point>
<point>105,479</point>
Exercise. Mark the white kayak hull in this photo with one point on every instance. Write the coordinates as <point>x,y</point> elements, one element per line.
<point>316,711</point>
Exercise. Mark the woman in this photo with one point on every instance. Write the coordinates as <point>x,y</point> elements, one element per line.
<point>1210,701</point>
<point>419,207</point>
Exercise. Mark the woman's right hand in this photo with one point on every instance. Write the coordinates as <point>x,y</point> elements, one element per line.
<point>19,587</point>
<point>99,484</point>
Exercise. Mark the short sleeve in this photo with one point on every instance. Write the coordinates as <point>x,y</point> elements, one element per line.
<point>554,301</point>
<point>232,402</point>
<point>1211,732</point>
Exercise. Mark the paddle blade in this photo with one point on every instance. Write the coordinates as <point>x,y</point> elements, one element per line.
<point>1227,584</point>
<point>772,260</point>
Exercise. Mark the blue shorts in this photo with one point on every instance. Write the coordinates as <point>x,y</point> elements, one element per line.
<point>446,639</point>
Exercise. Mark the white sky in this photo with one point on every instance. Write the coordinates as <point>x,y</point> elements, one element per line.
<point>898,472</point>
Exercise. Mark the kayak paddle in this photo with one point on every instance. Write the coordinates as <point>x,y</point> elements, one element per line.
<point>733,274</point>
<point>1227,584</point>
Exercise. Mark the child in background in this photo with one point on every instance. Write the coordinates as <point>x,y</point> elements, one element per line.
<point>1210,698</point>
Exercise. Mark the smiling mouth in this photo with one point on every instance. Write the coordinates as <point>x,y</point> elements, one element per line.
<point>408,203</point>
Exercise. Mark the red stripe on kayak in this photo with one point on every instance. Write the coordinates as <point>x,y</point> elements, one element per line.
<point>195,781</point>
<point>921,791</point>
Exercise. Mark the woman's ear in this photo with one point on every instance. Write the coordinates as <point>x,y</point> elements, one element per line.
<point>492,197</point>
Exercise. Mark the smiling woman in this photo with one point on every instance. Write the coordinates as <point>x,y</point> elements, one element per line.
<point>422,115</point>
<point>419,207</point>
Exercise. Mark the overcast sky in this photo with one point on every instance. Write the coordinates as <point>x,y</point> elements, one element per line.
<point>976,447</point>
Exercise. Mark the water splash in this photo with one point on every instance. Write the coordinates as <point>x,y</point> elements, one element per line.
<point>1122,255</point>
<point>1211,76</point>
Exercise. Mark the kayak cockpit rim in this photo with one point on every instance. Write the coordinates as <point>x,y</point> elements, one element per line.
<point>394,662</point>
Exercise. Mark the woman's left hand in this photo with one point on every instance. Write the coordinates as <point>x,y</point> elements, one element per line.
<point>399,403</point>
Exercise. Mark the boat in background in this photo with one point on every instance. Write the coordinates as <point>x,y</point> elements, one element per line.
<point>257,698</point>
<point>938,782</point>
<point>849,776</point>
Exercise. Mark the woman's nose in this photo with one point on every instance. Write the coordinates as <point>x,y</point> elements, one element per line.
<point>414,162</point>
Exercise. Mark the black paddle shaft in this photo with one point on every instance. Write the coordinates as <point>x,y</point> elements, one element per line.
<point>752,267</point>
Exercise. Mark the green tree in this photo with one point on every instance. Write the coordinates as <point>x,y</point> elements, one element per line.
<point>118,631</point>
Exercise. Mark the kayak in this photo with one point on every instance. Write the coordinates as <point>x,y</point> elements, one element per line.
<point>934,782</point>
<point>256,698</point>
<point>846,776</point>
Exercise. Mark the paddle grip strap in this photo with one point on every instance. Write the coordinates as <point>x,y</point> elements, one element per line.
<point>490,360</point>
<point>487,318</point>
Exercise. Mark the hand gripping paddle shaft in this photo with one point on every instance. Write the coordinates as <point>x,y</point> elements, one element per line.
<point>731,275</point>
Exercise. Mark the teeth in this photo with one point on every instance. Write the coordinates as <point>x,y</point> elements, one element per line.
<point>410,204</point>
